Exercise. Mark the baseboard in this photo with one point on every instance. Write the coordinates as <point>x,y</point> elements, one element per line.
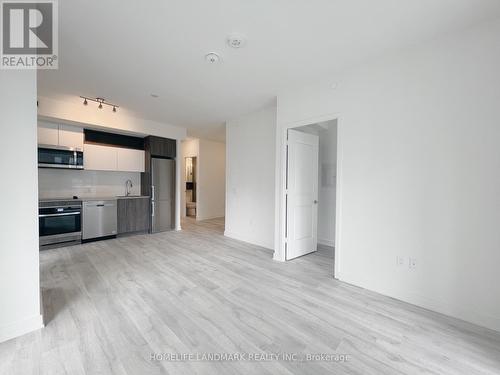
<point>21,327</point>
<point>202,218</point>
<point>457,311</point>
<point>326,242</point>
<point>249,241</point>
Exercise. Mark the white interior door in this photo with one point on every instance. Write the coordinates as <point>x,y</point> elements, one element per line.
<point>302,194</point>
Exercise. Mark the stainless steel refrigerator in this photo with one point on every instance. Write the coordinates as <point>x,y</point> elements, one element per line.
<point>162,194</point>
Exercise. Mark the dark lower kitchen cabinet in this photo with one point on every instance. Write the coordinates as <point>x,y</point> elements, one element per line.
<point>133,215</point>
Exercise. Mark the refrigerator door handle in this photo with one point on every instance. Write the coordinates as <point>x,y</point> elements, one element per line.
<point>153,209</point>
<point>152,192</point>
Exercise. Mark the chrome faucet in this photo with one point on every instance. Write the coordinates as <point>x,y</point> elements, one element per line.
<point>128,187</point>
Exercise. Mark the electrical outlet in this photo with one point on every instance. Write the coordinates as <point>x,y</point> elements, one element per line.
<point>412,263</point>
<point>400,261</point>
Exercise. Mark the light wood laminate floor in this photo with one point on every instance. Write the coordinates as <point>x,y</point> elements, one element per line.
<point>110,304</point>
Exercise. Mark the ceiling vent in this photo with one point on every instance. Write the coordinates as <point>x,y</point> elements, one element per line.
<point>236,41</point>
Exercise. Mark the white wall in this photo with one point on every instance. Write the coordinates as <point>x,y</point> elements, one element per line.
<point>250,142</point>
<point>56,183</point>
<point>419,177</point>
<point>210,177</point>
<point>19,268</point>
<point>71,110</point>
<point>211,192</point>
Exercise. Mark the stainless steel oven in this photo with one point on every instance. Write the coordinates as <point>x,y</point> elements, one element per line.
<point>60,223</point>
<point>59,157</point>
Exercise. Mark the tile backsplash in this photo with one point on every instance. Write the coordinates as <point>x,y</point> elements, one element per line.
<point>56,183</point>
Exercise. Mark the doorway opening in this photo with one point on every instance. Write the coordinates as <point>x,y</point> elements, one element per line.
<point>311,190</point>
<point>191,164</point>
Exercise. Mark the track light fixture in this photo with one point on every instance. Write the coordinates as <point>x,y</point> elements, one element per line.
<point>101,101</point>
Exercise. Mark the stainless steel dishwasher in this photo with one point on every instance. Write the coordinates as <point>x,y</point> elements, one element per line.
<point>99,219</point>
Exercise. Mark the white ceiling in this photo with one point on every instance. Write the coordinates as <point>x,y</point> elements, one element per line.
<point>125,50</point>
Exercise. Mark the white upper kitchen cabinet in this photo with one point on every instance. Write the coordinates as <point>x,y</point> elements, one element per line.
<point>51,134</point>
<point>108,158</point>
<point>130,160</point>
<point>100,158</point>
<point>48,134</point>
<point>71,136</point>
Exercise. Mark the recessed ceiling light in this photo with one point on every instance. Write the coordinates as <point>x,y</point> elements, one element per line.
<point>236,41</point>
<point>334,86</point>
<point>212,58</point>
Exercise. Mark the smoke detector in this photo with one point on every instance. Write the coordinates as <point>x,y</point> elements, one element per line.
<point>236,41</point>
<point>212,58</point>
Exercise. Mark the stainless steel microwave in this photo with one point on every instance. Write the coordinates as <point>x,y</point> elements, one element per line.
<point>59,157</point>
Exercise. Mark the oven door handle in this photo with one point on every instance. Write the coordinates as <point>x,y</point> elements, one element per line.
<point>63,214</point>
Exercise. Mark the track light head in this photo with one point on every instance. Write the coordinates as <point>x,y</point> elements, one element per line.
<point>114,109</point>
<point>85,102</point>
<point>100,106</point>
